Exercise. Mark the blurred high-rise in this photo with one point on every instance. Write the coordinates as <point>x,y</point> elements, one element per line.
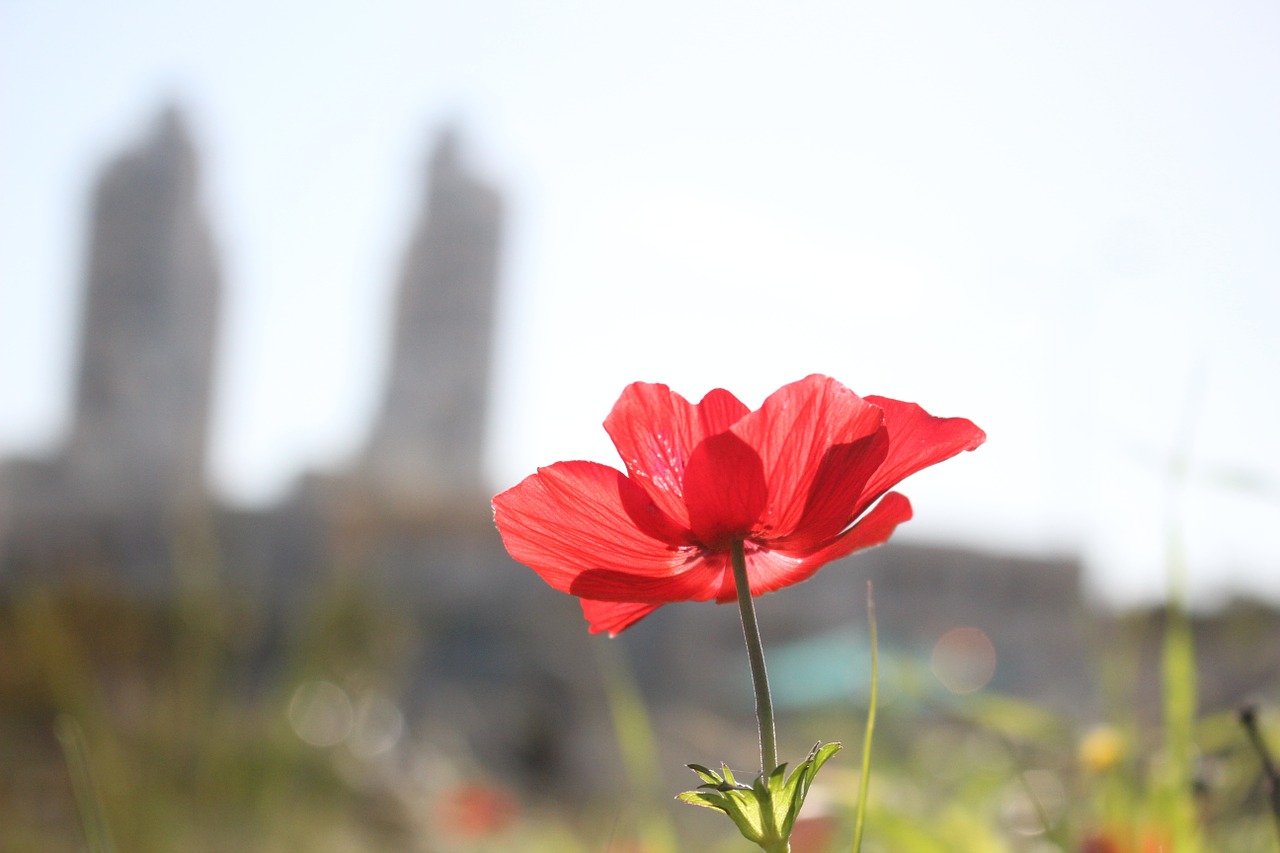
<point>139,437</point>
<point>428,443</point>
<point>109,504</point>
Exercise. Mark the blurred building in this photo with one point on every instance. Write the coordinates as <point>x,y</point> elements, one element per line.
<point>428,443</point>
<point>152,294</point>
<point>132,473</point>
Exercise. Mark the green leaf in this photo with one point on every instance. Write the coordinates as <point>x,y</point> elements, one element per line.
<point>765,812</point>
<point>708,776</point>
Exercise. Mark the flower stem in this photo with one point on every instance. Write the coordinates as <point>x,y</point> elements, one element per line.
<point>755,654</point>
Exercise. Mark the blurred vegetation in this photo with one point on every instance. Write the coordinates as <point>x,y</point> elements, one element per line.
<point>187,742</point>
<point>203,723</point>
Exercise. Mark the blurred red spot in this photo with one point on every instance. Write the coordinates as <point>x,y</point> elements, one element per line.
<point>476,810</point>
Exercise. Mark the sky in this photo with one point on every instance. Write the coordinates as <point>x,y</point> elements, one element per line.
<point>1055,219</point>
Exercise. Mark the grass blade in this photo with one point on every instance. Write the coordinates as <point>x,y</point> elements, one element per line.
<point>865,779</point>
<point>93,819</point>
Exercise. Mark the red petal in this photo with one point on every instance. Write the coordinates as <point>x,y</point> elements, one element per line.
<point>573,517</point>
<point>702,582</point>
<point>872,529</point>
<point>614,616</point>
<point>651,427</point>
<point>836,496</point>
<point>697,581</point>
<point>724,489</point>
<point>793,432</point>
<point>718,411</point>
<point>769,570</point>
<point>916,441</point>
<point>656,430</point>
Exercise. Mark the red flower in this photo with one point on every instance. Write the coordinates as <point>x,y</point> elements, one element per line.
<point>795,480</point>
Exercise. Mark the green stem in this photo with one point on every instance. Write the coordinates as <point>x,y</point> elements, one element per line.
<point>93,822</point>
<point>755,654</point>
<point>1271,775</point>
<point>871,725</point>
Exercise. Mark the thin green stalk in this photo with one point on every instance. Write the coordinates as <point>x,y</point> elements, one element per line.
<point>93,821</point>
<point>755,654</point>
<point>638,745</point>
<point>1179,688</point>
<point>865,781</point>
<point>1270,773</point>
<point>1179,660</point>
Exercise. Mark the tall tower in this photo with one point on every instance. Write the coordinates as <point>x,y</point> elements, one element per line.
<point>428,443</point>
<point>145,369</point>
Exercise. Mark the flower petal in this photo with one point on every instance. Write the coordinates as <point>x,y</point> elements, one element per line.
<point>917,440</point>
<point>656,430</point>
<point>872,529</point>
<point>836,496</point>
<point>613,601</point>
<point>573,517</point>
<point>724,490</point>
<point>769,570</point>
<point>792,432</point>
<point>718,411</point>
<point>614,616</point>
<point>697,581</point>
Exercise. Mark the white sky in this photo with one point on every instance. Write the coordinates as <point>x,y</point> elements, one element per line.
<point>1056,219</point>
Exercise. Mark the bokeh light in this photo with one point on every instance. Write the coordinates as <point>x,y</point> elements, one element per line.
<point>964,659</point>
<point>321,713</point>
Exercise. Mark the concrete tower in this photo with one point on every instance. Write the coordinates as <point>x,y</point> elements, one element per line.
<point>428,443</point>
<point>139,438</point>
